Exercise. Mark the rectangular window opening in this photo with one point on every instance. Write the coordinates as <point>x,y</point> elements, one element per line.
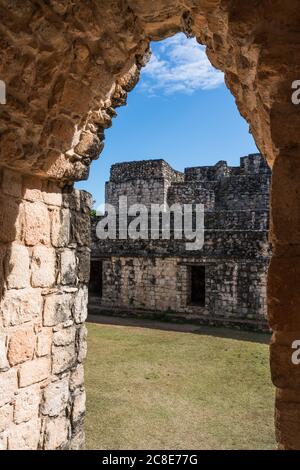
<point>95,285</point>
<point>197,293</point>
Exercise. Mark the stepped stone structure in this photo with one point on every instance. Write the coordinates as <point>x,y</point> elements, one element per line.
<point>67,65</point>
<point>225,281</point>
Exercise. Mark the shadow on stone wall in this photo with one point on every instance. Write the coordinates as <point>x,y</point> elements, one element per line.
<point>44,270</point>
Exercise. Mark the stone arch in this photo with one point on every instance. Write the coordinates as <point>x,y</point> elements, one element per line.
<point>67,66</point>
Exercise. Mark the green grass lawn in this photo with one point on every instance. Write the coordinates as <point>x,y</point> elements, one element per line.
<point>153,389</point>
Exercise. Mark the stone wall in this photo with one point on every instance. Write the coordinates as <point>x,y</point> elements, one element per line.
<point>155,274</point>
<point>68,65</point>
<point>235,290</point>
<point>145,181</point>
<point>44,271</point>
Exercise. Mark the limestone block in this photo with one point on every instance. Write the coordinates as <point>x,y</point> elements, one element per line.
<point>17,267</point>
<point>32,188</point>
<point>81,229</point>
<point>63,358</point>
<point>31,372</point>
<point>27,404</point>
<point>60,227</point>
<point>3,441</point>
<point>64,337</point>
<point>37,222</point>
<point>78,406</point>
<point>21,306</point>
<point>11,219</point>
<point>25,436</point>
<point>76,96</point>
<point>9,385</point>
<point>84,262</point>
<point>82,343</point>
<point>56,396</point>
<point>43,267</point>
<point>4,365</point>
<point>77,441</point>
<point>77,377</point>
<point>68,265</point>
<point>57,309</point>
<point>56,433</point>
<point>62,132</point>
<point>80,305</point>
<point>89,145</point>
<point>21,345</point>
<point>3,251</point>
<point>52,194</point>
<point>44,342</point>
<point>12,183</point>
<point>6,417</point>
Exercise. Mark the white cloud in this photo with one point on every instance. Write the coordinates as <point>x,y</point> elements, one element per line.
<point>180,65</point>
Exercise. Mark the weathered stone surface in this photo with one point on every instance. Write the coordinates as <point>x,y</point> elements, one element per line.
<point>21,306</point>
<point>81,229</point>
<point>12,183</point>
<point>60,227</point>
<point>64,337</point>
<point>39,317</point>
<point>51,77</point>
<point>84,263</point>
<point>25,436</point>
<point>11,219</point>
<point>56,396</point>
<point>17,267</point>
<point>37,223</point>
<point>27,404</point>
<point>31,372</point>
<point>80,305</point>
<point>3,252</point>
<point>56,433</point>
<point>63,358</point>
<point>77,377</point>
<point>57,308</point>
<point>82,343</point>
<point>9,385</point>
<point>78,406</point>
<point>43,267</point>
<point>156,274</point>
<point>6,415</point>
<point>32,189</point>
<point>52,194</point>
<point>78,440</point>
<point>21,345</point>
<point>68,265</point>
<point>44,342</point>
<point>4,365</point>
<point>3,441</point>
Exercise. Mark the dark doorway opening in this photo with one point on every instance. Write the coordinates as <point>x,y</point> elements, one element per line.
<point>95,286</point>
<point>198,285</point>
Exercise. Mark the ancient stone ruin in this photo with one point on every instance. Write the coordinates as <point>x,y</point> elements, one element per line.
<point>224,282</point>
<point>66,67</point>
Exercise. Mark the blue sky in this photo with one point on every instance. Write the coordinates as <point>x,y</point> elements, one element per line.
<point>180,110</point>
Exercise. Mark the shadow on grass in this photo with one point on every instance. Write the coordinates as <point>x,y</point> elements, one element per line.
<point>221,332</point>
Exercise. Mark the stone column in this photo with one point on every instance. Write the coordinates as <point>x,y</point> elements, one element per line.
<point>44,252</point>
<point>284,271</point>
<point>284,297</point>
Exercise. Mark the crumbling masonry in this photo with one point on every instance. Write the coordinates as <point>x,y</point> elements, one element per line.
<point>67,65</point>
